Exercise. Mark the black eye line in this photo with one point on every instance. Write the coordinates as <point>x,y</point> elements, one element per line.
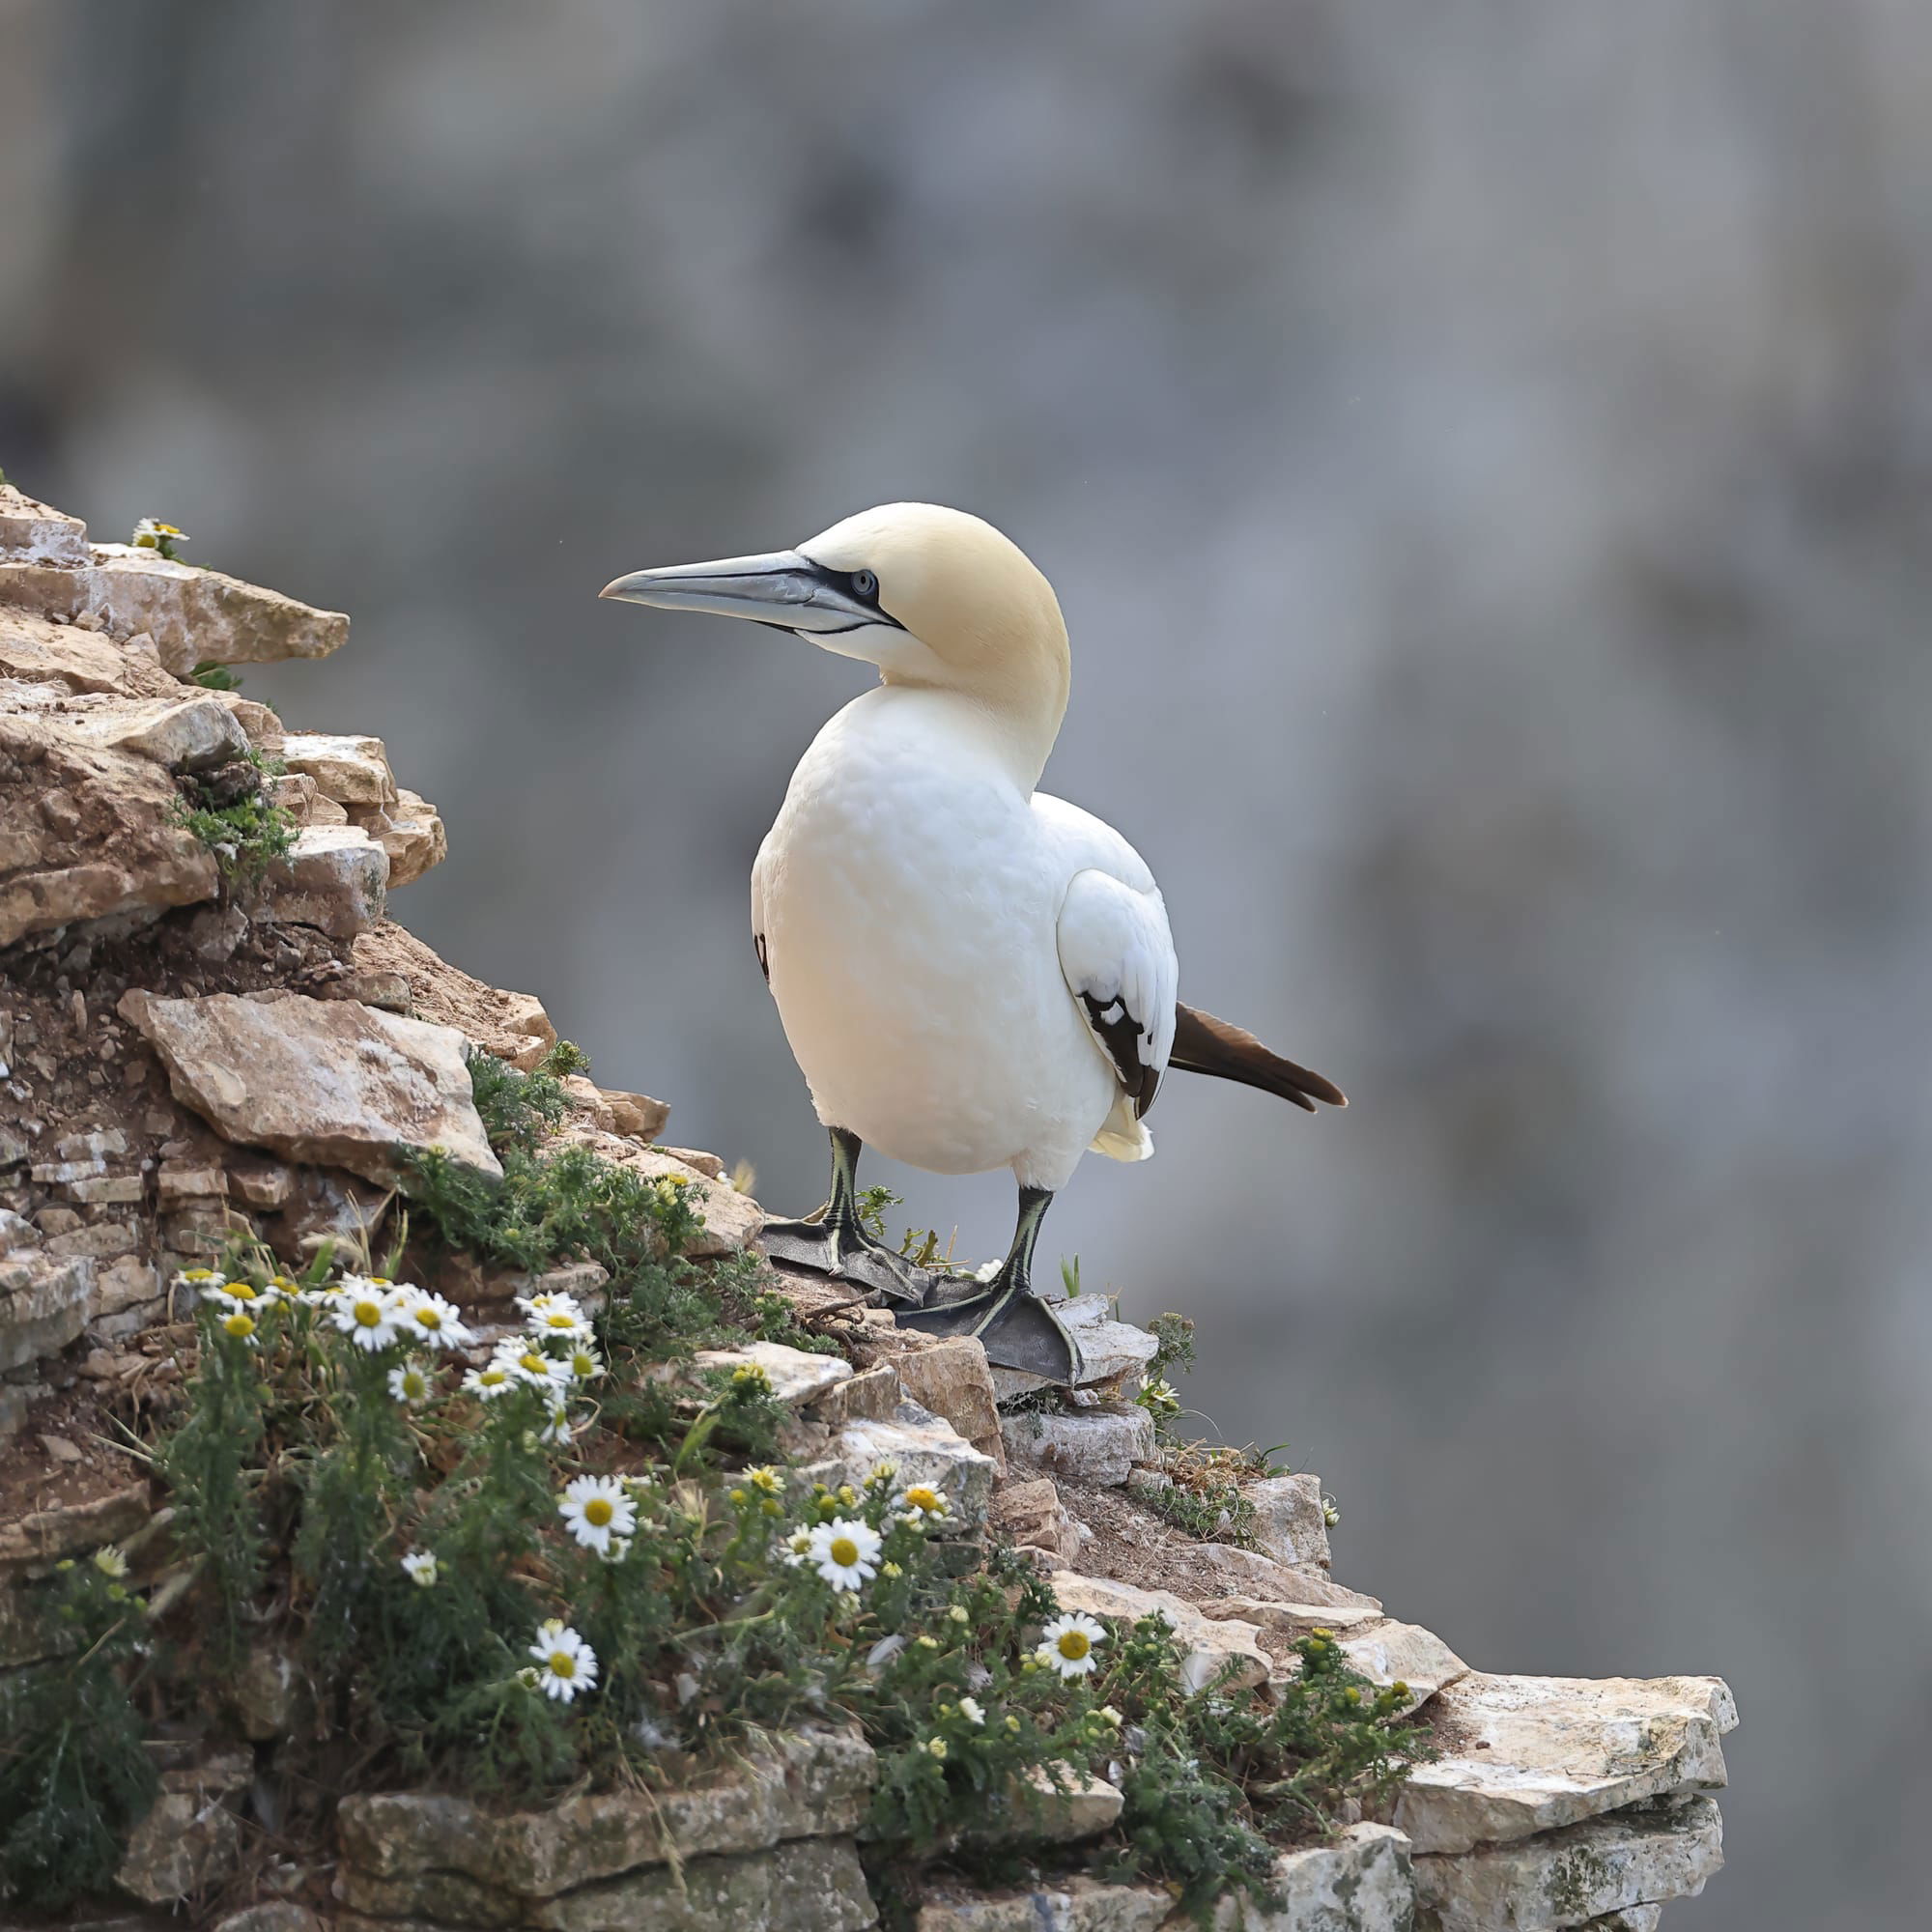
<point>845,581</point>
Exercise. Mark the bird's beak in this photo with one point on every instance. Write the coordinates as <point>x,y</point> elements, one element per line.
<point>783,589</point>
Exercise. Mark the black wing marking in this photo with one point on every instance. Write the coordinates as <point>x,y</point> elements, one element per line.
<point>1122,1034</point>
<point>764,957</point>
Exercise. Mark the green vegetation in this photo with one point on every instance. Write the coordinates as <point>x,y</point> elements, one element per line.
<point>580,1563</point>
<point>213,676</point>
<point>230,811</point>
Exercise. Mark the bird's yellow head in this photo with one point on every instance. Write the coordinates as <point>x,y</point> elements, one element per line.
<point>932,596</point>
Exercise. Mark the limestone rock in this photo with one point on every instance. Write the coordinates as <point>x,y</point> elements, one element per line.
<point>192,615</point>
<point>815,1784</point>
<point>45,1301</point>
<point>1538,1752</point>
<point>353,771</point>
<point>1090,1445</point>
<point>923,1450</point>
<point>272,1914</point>
<point>1361,1883</point>
<point>31,1546</point>
<point>31,532</point>
<point>510,1026</point>
<point>796,1374</point>
<point>1246,1573</point>
<point>320,1081</point>
<point>89,832</point>
<point>1291,1524</point>
<point>190,1839</point>
<point>815,1884</point>
<point>184,734</point>
<point>636,1116</point>
<point>1208,1645</point>
<point>336,879</point>
<point>951,1376</point>
<point>1042,1812</point>
<point>1074,1904</point>
<point>1572,1876</point>
<point>872,1395</point>
<point>410,829</point>
<point>67,662</point>
<point>1033,1515</point>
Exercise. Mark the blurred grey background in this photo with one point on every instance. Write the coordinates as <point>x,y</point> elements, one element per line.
<point>1485,453</point>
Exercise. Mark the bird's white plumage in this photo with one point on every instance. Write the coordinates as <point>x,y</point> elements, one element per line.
<point>928,924</point>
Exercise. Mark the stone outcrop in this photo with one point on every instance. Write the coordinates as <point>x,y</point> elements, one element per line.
<point>190,1052</point>
<point>332,1083</point>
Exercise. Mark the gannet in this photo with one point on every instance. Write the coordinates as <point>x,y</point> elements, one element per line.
<point>970,973</point>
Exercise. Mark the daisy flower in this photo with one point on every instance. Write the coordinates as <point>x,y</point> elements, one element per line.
<point>595,1509</point>
<point>529,1363</point>
<point>1066,1643</point>
<point>562,1319</point>
<point>920,1502</point>
<point>237,1294</point>
<point>766,1478</point>
<point>559,1428</point>
<point>151,533</point>
<point>409,1384</point>
<point>844,1552</point>
<point>490,1382</point>
<point>240,1325</point>
<point>110,1562</point>
<point>972,1710</point>
<point>537,1305</point>
<point>583,1362</point>
<point>421,1566</point>
<point>798,1547</point>
<point>428,1317</point>
<point>365,1313</point>
<point>203,1279</point>
<point>566,1664</point>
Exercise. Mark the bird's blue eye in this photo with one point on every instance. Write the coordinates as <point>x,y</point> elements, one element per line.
<point>864,583</point>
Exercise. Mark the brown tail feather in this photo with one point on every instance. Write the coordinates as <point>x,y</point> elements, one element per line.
<point>1203,1044</point>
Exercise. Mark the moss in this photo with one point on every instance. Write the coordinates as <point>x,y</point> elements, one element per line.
<point>230,811</point>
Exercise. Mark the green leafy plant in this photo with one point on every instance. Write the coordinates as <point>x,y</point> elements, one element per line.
<point>74,1774</point>
<point>212,675</point>
<point>230,811</point>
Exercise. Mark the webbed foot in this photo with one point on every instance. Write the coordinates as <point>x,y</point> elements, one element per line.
<point>843,1249</point>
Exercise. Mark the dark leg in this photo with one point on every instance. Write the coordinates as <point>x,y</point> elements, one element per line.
<point>1020,1330</point>
<point>834,1241</point>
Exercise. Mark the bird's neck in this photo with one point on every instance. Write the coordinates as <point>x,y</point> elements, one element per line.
<point>961,727</point>
<point>1013,707</point>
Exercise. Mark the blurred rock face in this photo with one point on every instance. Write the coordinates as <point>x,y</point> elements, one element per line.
<point>1482,456</point>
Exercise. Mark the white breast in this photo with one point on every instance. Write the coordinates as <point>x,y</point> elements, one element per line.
<point>907,899</point>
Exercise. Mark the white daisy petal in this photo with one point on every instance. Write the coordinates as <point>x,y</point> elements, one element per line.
<point>844,1552</point>
<point>1066,1644</point>
<point>597,1510</point>
<point>566,1665</point>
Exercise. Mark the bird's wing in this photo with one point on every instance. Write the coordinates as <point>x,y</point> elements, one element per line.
<point>759,914</point>
<point>1116,950</point>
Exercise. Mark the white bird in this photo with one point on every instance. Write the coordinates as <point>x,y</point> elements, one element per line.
<point>971,974</point>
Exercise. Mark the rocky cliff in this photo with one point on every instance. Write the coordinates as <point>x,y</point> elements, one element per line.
<point>222,1058</point>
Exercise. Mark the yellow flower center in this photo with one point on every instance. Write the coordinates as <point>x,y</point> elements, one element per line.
<point>369,1314</point>
<point>380,1281</point>
<point>597,1512</point>
<point>536,1364</point>
<point>494,1378</point>
<point>427,1317</point>
<point>563,1663</point>
<point>242,1291</point>
<point>1074,1645</point>
<point>923,1498</point>
<point>557,1319</point>
<point>238,1323</point>
<point>844,1552</point>
<point>414,1385</point>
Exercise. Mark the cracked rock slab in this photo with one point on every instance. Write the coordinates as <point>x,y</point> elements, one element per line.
<point>923,1449</point>
<point>1361,1883</point>
<point>1541,1752</point>
<point>192,615</point>
<point>326,1082</point>
<point>1583,1872</point>
<point>1097,1445</point>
